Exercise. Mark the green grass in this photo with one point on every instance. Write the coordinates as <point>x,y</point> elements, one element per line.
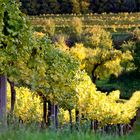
<point>25,134</point>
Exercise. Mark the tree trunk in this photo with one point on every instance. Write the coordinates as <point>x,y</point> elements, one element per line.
<point>91,125</point>
<point>96,66</point>
<point>77,120</point>
<point>95,125</point>
<point>3,98</point>
<point>13,96</point>
<point>44,111</point>
<point>49,114</point>
<point>56,116</point>
<point>120,129</point>
<point>93,72</point>
<point>70,113</point>
<point>53,116</point>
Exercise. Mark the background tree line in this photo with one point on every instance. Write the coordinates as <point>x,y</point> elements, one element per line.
<point>35,7</point>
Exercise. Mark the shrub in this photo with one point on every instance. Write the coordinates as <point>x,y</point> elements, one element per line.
<point>28,106</point>
<point>97,37</point>
<point>76,28</point>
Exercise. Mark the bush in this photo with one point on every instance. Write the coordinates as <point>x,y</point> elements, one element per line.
<point>97,37</point>
<point>136,33</point>
<point>76,28</point>
<point>48,26</point>
<point>28,105</point>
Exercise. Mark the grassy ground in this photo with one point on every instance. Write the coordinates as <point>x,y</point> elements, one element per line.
<point>24,134</point>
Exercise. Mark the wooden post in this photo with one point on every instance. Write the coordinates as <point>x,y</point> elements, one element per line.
<point>3,98</point>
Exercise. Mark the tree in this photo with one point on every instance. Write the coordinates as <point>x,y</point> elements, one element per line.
<point>138,5</point>
<point>84,4</point>
<point>97,6</point>
<point>128,6</point>
<point>14,46</point>
<point>60,76</point>
<point>97,55</point>
<point>76,29</point>
<point>52,73</point>
<point>47,7</point>
<point>30,6</point>
<point>132,54</point>
<point>101,6</point>
<point>65,6</point>
<point>54,6</point>
<point>35,67</point>
<point>76,6</point>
